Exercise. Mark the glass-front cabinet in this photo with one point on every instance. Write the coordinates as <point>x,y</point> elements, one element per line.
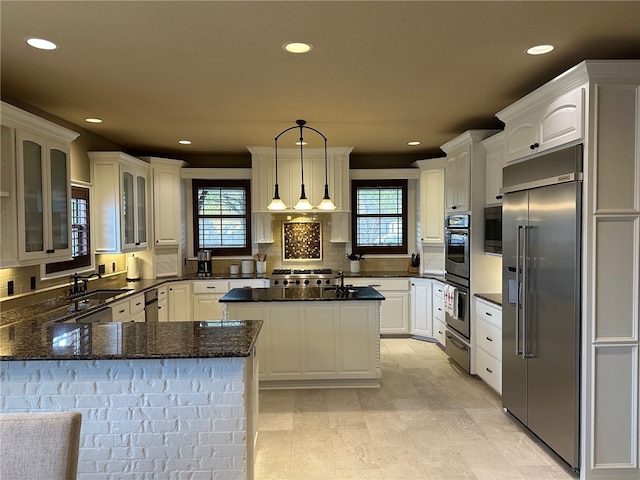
<point>44,198</point>
<point>121,200</point>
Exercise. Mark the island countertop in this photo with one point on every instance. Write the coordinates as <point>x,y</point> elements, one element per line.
<point>280,294</point>
<point>133,340</point>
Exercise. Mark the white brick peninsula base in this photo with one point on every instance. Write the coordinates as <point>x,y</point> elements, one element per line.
<point>146,419</point>
<point>176,400</point>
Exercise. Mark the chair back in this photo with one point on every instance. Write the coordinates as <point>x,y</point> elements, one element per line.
<point>39,445</point>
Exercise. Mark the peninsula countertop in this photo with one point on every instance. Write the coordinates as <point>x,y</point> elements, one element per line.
<point>134,340</point>
<point>280,294</point>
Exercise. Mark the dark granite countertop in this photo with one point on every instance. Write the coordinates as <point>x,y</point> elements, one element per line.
<point>116,341</point>
<point>495,298</point>
<point>277,294</point>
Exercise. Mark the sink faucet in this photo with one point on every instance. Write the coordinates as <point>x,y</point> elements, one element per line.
<point>340,289</point>
<point>77,288</point>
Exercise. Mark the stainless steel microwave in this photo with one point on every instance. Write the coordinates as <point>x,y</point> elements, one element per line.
<point>493,229</point>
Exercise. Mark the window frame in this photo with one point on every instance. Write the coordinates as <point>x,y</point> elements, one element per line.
<point>81,263</point>
<point>402,184</point>
<point>212,183</point>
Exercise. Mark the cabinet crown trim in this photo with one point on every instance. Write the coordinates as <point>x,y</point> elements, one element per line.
<point>467,138</point>
<point>17,118</point>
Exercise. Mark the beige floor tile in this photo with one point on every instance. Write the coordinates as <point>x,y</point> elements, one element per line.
<point>428,421</point>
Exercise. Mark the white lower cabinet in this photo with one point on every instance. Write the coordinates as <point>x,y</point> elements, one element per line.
<point>206,296</point>
<point>394,309</point>
<point>439,321</point>
<point>489,343</point>
<point>180,301</point>
<point>421,314</point>
<point>129,310</point>
<point>318,341</point>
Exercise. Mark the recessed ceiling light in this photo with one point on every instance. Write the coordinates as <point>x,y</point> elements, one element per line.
<point>297,47</point>
<point>414,143</point>
<point>184,142</point>
<point>93,120</point>
<point>42,44</point>
<point>540,49</point>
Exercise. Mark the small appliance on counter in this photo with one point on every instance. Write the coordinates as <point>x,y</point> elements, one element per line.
<point>204,263</point>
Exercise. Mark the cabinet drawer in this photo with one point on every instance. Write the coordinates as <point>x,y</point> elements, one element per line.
<point>489,312</point>
<point>489,369</point>
<point>489,339</point>
<point>136,304</point>
<point>163,292</point>
<point>210,286</point>
<point>380,284</point>
<point>138,317</point>
<point>120,311</point>
<point>248,283</point>
<point>439,328</point>
<point>438,290</point>
<point>438,309</point>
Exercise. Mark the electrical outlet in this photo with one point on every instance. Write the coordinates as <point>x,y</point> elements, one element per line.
<point>113,267</point>
<point>33,283</point>
<point>10,287</point>
<point>102,269</point>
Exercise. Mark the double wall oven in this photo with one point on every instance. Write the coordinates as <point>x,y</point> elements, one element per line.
<point>457,303</point>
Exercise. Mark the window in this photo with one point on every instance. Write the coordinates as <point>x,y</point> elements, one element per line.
<point>379,220</point>
<point>80,238</point>
<point>222,217</point>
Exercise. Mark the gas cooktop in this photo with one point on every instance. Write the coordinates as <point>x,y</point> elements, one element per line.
<point>298,277</point>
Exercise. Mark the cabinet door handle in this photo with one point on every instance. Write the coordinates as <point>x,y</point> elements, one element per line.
<point>139,303</point>
<point>488,369</point>
<point>374,285</point>
<point>498,197</point>
<point>534,146</point>
<point>121,311</point>
<point>453,207</point>
<point>488,314</point>
<point>489,339</point>
<point>439,309</point>
<point>51,251</point>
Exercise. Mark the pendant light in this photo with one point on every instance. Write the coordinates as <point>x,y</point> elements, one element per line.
<point>303,203</point>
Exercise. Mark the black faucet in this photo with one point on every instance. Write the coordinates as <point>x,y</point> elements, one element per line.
<point>341,290</point>
<point>77,288</point>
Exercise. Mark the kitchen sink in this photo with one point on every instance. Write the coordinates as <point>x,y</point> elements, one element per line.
<point>104,294</point>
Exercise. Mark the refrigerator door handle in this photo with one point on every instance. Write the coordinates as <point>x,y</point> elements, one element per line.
<point>525,288</point>
<point>518,290</point>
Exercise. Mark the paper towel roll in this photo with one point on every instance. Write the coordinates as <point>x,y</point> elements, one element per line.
<point>133,275</point>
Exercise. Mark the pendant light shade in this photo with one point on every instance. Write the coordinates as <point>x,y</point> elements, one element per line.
<point>303,203</point>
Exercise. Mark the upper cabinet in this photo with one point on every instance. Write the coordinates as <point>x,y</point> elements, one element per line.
<point>121,200</point>
<point>35,189</point>
<point>168,204</point>
<point>494,146</point>
<point>290,176</point>
<point>431,201</point>
<point>534,125</point>
<point>464,154</point>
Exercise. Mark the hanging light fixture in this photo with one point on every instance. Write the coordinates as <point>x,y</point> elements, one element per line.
<point>303,203</point>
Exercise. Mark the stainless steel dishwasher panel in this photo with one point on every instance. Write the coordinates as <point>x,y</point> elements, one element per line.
<point>151,305</point>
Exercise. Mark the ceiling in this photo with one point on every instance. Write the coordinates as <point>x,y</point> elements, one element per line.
<point>380,74</point>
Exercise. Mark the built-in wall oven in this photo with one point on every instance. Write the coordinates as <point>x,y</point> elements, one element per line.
<point>457,299</point>
<point>457,247</point>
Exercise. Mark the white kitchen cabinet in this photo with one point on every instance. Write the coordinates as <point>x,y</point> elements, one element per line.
<point>262,227</point>
<point>494,146</point>
<point>421,310</point>
<point>163,303</point>
<point>395,308</point>
<point>457,180</point>
<point>128,310</point>
<point>549,123</point>
<point>180,301</point>
<point>290,178</point>
<point>36,189</point>
<point>314,341</point>
<point>167,201</point>
<point>121,202</point>
<point>340,225</point>
<point>489,343</point>
<point>206,294</point>
<point>431,202</point>
<point>439,320</point>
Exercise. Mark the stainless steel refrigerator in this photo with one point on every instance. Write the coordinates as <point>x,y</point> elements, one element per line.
<point>541,298</point>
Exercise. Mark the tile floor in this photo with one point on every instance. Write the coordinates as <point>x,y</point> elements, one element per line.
<point>427,421</point>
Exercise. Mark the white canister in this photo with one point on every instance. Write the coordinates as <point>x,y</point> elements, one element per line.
<point>234,269</point>
<point>261,267</point>
<point>247,266</point>
<point>355,266</point>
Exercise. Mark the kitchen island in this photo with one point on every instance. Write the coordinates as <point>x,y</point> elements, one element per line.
<point>158,400</point>
<point>313,337</point>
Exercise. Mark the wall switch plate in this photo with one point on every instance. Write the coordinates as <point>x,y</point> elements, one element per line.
<point>10,287</point>
<point>33,283</point>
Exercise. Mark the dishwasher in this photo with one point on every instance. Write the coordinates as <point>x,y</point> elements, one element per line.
<point>151,305</point>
